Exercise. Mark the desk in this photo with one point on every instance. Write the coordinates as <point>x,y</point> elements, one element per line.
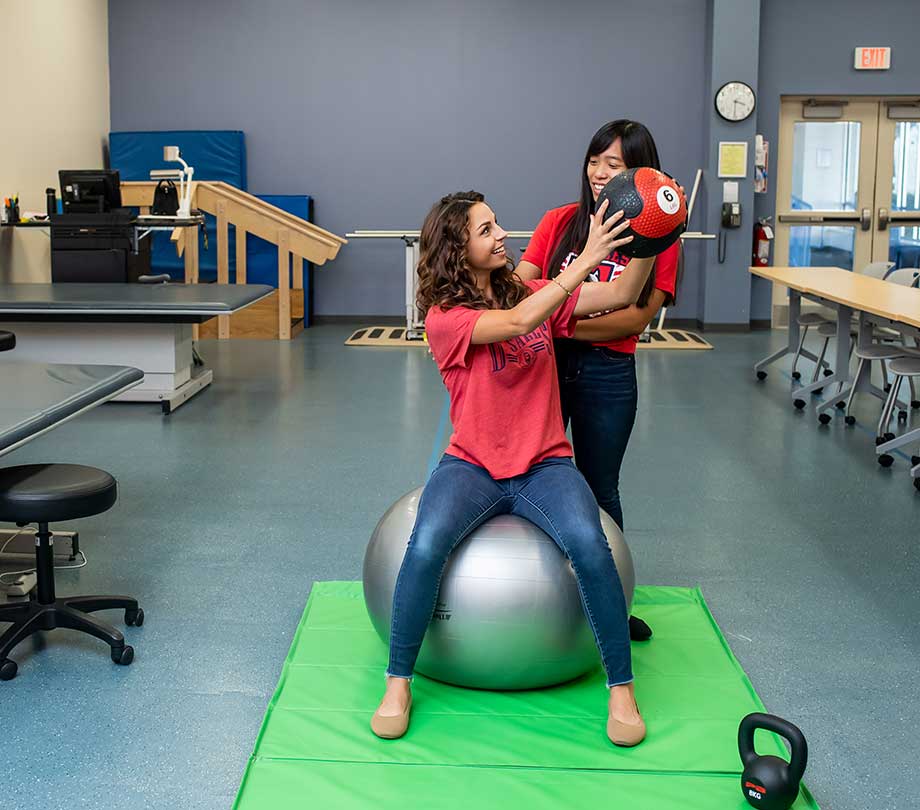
<point>879,303</point>
<point>147,326</point>
<point>142,225</point>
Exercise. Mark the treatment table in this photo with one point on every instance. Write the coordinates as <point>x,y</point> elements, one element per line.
<point>148,326</point>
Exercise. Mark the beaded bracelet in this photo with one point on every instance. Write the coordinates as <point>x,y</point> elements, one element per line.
<point>561,287</point>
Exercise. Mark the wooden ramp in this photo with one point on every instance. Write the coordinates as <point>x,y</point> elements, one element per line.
<point>279,318</point>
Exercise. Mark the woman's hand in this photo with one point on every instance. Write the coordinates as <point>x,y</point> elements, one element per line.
<point>603,237</point>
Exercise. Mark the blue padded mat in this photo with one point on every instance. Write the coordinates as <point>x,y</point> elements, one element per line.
<point>215,155</point>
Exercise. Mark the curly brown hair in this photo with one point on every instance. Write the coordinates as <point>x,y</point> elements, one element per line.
<point>444,278</point>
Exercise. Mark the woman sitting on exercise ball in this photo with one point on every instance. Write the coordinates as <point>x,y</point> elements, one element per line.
<point>492,337</point>
<point>597,369</point>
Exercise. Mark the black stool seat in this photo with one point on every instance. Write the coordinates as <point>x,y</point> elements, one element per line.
<point>48,493</point>
<point>7,341</point>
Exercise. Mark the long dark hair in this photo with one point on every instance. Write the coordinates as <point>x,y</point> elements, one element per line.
<point>638,149</point>
<point>444,278</point>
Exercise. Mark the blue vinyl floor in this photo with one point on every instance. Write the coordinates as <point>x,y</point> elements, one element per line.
<point>229,509</point>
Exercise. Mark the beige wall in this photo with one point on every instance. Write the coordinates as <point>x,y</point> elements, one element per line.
<point>53,115</point>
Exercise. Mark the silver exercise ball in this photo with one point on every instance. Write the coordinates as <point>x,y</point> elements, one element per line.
<point>508,615</point>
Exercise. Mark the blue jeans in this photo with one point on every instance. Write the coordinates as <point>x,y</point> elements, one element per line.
<point>553,495</point>
<point>599,396</point>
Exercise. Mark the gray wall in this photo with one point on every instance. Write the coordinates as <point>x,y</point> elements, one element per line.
<point>376,109</point>
<point>807,48</point>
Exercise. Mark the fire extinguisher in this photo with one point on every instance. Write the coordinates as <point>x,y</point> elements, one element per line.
<point>763,235</point>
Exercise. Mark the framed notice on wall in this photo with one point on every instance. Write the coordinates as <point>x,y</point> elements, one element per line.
<point>733,158</point>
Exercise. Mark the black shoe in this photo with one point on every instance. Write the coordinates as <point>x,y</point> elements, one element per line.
<point>638,629</point>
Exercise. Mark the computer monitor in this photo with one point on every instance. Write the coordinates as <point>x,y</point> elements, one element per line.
<point>90,191</point>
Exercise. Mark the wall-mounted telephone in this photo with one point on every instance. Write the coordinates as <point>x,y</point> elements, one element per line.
<point>731,215</point>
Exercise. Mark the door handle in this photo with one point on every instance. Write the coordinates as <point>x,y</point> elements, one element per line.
<point>883,219</point>
<point>865,219</point>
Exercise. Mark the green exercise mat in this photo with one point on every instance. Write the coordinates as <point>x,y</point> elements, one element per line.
<point>467,748</point>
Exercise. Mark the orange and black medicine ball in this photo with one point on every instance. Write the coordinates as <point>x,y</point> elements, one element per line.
<point>654,205</point>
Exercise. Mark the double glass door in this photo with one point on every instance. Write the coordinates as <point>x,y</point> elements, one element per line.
<point>848,183</point>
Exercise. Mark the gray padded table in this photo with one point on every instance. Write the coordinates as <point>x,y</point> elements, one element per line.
<point>148,326</point>
<point>38,396</point>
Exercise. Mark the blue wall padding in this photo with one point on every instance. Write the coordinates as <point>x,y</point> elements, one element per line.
<point>214,154</point>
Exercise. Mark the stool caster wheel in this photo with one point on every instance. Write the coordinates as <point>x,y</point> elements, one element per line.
<point>889,437</point>
<point>799,404</point>
<point>8,670</point>
<point>915,403</point>
<point>134,618</point>
<point>824,418</point>
<point>902,416</point>
<point>123,655</point>
<point>796,375</point>
<point>879,440</point>
<point>828,373</point>
<point>887,388</point>
<point>885,460</point>
<point>850,420</point>
<point>917,484</point>
<point>840,405</point>
<point>914,461</point>
<point>761,375</point>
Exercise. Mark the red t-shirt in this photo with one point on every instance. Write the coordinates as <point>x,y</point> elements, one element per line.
<point>546,238</point>
<point>492,384</point>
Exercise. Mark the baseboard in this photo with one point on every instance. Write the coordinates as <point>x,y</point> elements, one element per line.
<point>361,320</point>
<point>759,323</point>
<point>726,327</point>
<point>689,324</point>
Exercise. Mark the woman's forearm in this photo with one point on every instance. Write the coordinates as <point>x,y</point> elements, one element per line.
<point>622,292</point>
<point>630,283</point>
<point>613,326</point>
<point>622,323</point>
<point>536,308</point>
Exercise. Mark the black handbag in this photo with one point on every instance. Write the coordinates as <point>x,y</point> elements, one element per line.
<point>165,199</point>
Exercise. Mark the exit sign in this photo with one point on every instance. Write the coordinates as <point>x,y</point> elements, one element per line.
<point>872,59</point>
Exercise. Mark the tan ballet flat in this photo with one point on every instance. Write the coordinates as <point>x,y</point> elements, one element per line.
<point>391,728</point>
<point>626,735</point>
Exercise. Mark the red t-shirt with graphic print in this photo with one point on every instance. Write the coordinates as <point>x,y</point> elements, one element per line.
<point>491,384</point>
<point>546,238</point>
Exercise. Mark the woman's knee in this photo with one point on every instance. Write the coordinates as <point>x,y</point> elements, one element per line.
<point>429,545</point>
<point>587,545</point>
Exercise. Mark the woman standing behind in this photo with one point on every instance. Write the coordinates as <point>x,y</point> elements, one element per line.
<point>597,369</point>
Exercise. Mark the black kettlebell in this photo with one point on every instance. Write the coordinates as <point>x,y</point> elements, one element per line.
<point>767,782</point>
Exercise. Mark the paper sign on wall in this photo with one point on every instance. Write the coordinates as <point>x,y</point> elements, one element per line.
<point>733,158</point>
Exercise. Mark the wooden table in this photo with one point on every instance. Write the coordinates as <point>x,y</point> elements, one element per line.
<point>878,303</point>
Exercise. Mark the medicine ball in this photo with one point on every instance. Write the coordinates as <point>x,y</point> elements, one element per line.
<point>654,205</point>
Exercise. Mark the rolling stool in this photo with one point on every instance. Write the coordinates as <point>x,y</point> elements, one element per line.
<point>806,321</point>
<point>902,367</point>
<point>48,493</point>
